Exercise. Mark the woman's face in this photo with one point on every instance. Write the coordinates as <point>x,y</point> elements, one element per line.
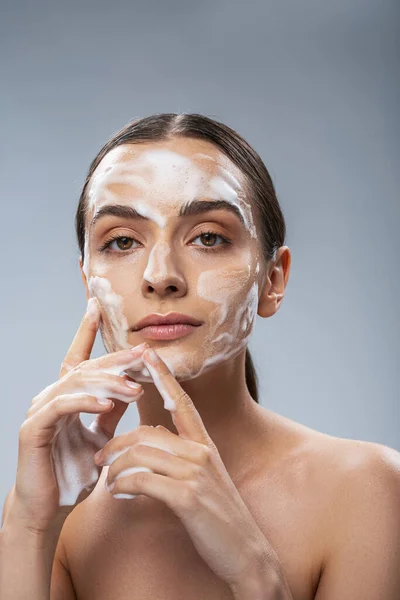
<point>170,263</point>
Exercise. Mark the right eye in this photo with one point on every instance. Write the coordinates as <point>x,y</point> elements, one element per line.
<point>125,240</point>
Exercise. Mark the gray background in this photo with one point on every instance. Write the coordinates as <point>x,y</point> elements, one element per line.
<point>313,86</point>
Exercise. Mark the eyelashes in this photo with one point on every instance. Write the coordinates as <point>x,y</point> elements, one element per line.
<point>225,242</point>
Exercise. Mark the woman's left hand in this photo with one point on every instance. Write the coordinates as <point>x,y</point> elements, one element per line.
<point>186,472</point>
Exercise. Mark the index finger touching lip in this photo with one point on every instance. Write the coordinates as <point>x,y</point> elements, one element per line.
<point>116,362</point>
<point>185,415</point>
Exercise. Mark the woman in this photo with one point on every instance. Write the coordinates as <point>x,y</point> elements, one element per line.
<point>212,496</point>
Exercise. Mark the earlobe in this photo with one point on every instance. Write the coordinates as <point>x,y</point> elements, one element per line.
<point>267,305</point>
<point>274,287</point>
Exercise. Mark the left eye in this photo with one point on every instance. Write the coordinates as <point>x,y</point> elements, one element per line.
<point>209,236</point>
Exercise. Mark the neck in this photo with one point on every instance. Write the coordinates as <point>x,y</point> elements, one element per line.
<point>230,415</point>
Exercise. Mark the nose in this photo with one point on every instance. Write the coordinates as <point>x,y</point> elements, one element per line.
<point>162,275</point>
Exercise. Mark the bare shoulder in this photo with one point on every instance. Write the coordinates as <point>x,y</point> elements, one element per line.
<point>342,476</point>
<point>360,536</point>
<point>357,484</point>
<point>351,468</point>
<point>366,476</point>
<point>357,466</point>
<point>338,458</point>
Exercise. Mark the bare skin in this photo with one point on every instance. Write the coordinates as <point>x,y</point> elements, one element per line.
<point>287,474</point>
<point>132,549</point>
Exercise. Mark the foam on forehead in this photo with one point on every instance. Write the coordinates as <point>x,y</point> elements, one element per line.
<point>166,166</point>
<point>222,189</point>
<point>161,163</point>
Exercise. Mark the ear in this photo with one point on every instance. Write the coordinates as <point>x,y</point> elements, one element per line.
<point>84,278</point>
<point>273,289</point>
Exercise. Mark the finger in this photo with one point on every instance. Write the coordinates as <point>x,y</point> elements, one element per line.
<point>155,437</point>
<point>116,362</point>
<point>40,427</point>
<point>184,414</point>
<point>155,459</point>
<point>90,382</point>
<point>108,421</point>
<point>83,342</point>
<point>170,491</point>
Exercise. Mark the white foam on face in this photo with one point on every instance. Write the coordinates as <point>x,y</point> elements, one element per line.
<point>100,287</point>
<point>146,211</point>
<point>157,268</point>
<point>155,165</point>
<point>159,182</point>
<point>222,189</point>
<point>233,315</point>
<point>162,169</point>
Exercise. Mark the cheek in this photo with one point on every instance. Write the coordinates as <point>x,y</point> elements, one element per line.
<point>113,311</point>
<point>234,295</point>
<point>117,269</point>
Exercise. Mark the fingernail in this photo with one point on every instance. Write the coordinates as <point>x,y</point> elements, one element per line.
<point>105,401</point>
<point>133,384</point>
<point>109,487</point>
<point>129,496</point>
<point>139,348</point>
<point>92,308</point>
<point>151,356</point>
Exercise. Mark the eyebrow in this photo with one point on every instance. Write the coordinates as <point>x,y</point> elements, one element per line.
<point>191,208</point>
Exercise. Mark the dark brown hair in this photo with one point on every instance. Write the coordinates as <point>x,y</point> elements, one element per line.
<point>261,190</point>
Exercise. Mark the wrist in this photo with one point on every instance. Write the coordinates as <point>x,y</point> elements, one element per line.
<point>264,579</point>
<point>17,524</point>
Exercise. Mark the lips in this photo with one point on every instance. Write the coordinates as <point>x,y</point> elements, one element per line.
<point>173,318</point>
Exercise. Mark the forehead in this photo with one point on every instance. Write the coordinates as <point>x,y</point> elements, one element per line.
<point>163,177</point>
<point>167,162</point>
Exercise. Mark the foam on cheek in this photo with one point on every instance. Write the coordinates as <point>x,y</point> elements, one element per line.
<point>234,313</point>
<point>118,338</point>
<point>86,261</point>
<point>220,287</point>
<point>245,316</point>
<point>114,307</point>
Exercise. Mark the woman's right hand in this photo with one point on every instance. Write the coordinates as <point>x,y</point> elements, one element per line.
<point>56,469</point>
